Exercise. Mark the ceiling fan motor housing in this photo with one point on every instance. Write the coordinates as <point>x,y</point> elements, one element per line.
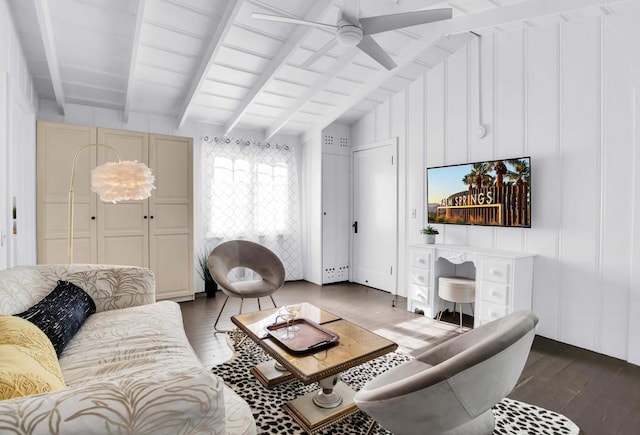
<point>349,34</point>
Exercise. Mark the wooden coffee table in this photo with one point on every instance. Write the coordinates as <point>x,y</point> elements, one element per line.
<point>334,400</point>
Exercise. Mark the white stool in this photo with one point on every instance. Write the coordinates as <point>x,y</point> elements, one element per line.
<point>457,289</point>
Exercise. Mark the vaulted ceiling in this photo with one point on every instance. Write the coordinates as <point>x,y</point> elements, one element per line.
<point>209,60</point>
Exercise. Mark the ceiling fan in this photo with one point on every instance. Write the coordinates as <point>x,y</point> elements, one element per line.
<point>351,30</point>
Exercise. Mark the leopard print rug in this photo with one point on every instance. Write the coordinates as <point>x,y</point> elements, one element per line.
<point>512,417</point>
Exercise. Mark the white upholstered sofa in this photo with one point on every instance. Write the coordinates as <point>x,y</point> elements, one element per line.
<point>129,369</point>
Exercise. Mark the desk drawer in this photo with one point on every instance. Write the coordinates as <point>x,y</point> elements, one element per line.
<point>494,292</point>
<point>496,271</point>
<point>421,259</point>
<point>419,293</point>
<point>490,312</point>
<point>419,276</point>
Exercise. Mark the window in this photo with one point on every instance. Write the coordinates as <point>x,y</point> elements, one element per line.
<point>250,191</point>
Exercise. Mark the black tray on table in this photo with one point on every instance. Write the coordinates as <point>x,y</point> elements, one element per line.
<point>310,336</point>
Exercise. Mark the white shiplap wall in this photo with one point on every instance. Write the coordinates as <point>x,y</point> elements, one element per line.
<point>563,94</point>
<point>18,106</point>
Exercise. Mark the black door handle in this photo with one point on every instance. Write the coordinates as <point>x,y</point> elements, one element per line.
<point>355,227</point>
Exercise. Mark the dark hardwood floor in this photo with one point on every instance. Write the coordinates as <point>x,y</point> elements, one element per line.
<point>599,393</point>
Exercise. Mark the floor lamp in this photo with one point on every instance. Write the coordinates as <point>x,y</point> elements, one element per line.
<point>113,182</point>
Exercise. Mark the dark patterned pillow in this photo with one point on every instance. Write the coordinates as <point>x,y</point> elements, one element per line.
<point>61,313</point>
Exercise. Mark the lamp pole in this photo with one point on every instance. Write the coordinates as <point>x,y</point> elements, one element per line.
<point>71,196</point>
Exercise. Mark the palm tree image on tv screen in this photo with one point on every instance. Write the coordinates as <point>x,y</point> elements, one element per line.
<point>494,192</point>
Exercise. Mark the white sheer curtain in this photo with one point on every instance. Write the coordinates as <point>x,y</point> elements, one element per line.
<point>250,191</point>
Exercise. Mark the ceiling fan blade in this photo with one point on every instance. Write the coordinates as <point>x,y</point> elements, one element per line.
<point>373,49</point>
<point>350,10</point>
<point>281,19</point>
<point>383,23</point>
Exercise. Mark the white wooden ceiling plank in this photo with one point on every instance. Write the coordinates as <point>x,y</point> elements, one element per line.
<point>297,36</point>
<point>203,7</point>
<point>116,65</point>
<point>266,110</point>
<point>82,90</point>
<point>271,99</point>
<point>474,6</point>
<point>46,32</point>
<point>169,39</point>
<point>241,77</point>
<point>94,17</point>
<point>229,15</point>
<point>227,89</point>
<point>285,87</point>
<point>217,101</point>
<point>159,53</point>
<point>177,17</point>
<point>310,92</point>
<point>328,98</point>
<point>94,103</point>
<point>133,59</point>
<point>168,77</point>
<point>252,41</point>
<point>155,97</point>
<point>90,77</point>
<point>75,42</point>
<point>209,114</point>
<point>164,59</point>
<point>123,6</point>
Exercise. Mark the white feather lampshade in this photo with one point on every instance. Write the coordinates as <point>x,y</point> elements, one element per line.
<point>122,181</point>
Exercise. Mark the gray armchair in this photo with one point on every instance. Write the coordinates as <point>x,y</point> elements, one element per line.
<point>243,253</point>
<point>451,388</point>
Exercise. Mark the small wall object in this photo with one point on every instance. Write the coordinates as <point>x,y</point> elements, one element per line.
<point>429,234</point>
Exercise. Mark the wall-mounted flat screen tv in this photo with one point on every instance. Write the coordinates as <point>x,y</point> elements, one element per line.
<point>496,192</point>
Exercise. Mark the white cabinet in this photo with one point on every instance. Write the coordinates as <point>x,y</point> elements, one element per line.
<point>155,233</point>
<point>504,280</point>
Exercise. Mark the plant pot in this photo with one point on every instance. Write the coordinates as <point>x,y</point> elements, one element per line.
<point>429,239</point>
<point>210,288</point>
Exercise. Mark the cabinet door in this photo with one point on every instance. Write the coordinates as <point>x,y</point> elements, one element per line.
<point>336,225</point>
<point>170,216</point>
<point>123,229</point>
<point>57,144</point>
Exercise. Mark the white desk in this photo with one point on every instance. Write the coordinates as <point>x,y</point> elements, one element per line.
<point>504,280</point>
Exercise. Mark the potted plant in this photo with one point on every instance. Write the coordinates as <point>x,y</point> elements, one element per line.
<point>210,286</point>
<point>429,234</point>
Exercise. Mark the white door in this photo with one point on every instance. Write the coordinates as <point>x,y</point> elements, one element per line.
<point>375,215</point>
<point>21,191</point>
<point>4,221</point>
<point>336,223</point>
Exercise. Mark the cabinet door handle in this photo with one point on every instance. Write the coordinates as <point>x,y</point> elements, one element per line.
<point>150,217</point>
<point>93,218</point>
<point>492,292</point>
<point>144,217</point>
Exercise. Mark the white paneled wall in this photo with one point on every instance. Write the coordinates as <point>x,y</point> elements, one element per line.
<point>564,95</point>
<point>17,143</point>
<point>311,204</point>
